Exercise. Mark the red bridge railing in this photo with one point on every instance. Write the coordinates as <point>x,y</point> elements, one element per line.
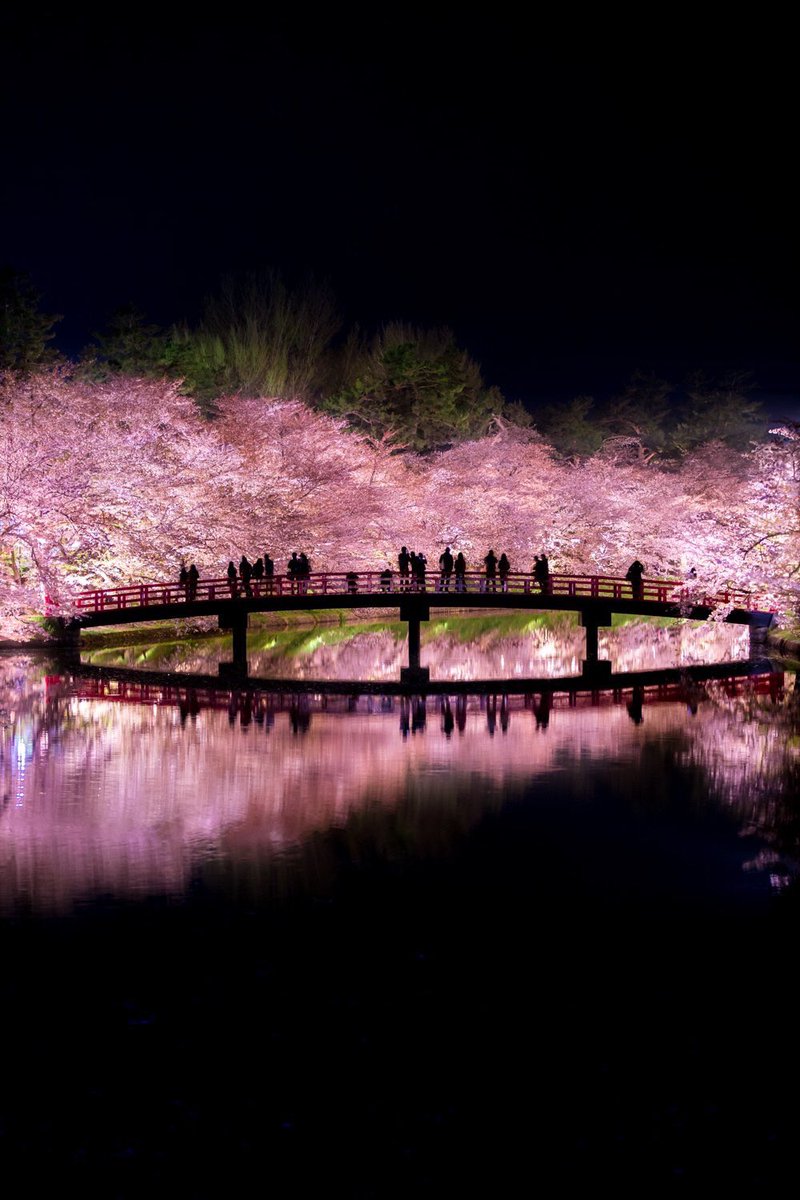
<point>374,582</point>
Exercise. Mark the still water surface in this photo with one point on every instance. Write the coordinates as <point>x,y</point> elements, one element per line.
<point>390,945</point>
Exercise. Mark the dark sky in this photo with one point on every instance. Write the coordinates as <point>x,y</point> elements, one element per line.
<point>575,201</point>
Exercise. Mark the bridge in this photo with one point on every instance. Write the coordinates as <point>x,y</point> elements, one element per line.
<point>594,597</point>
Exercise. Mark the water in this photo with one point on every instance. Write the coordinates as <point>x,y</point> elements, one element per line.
<point>380,946</point>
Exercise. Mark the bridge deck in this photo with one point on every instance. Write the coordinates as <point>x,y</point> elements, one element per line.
<point>375,589</point>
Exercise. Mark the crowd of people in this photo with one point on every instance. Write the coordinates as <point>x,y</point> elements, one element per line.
<point>453,571</point>
<point>412,574</point>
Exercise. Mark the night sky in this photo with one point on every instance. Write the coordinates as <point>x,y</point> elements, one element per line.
<point>575,200</point>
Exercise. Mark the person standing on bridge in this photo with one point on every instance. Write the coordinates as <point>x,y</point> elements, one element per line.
<point>544,569</point>
<point>269,571</point>
<point>293,571</point>
<point>460,570</point>
<point>446,562</point>
<point>304,573</point>
<point>634,576</point>
<point>404,567</point>
<point>503,567</point>
<point>183,579</point>
<point>490,562</point>
<point>193,578</point>
<point>246,574</point>
<point>232,577</point>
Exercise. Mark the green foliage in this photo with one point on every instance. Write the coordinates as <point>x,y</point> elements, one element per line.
<point>653,419</point>
<point>415,388</point>
<point>127,346</point>
<point>258,338</point>
<point>569,429</point>
<point>24,330</point>
<point>642,412</point>
<point>722,412</point>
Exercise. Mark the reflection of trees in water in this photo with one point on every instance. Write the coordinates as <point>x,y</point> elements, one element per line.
<point>755,768</point>
<point>456,648</point>
<point>133,798</point>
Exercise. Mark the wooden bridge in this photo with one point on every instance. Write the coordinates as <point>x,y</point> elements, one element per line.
<point>594,597</point>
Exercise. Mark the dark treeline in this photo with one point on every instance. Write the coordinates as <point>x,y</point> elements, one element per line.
<point>412,388</point>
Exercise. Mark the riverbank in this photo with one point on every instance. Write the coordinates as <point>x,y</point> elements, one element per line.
<point>784,641</point>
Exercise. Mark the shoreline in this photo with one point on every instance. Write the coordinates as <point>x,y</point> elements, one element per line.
<point>783,641</point>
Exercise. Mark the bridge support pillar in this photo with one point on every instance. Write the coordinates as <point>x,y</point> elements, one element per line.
<point>237,624</point>
<point>414,612</point>
<point>593,667</point>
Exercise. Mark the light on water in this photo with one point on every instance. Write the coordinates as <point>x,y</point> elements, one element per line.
<point>311,930</point>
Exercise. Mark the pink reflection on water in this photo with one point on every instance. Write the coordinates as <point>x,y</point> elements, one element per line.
<point>131,794</point>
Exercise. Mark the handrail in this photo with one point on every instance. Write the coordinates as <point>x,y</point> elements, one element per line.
<point>386,581</point>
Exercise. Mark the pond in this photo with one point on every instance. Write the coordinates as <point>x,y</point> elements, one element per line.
<point>382,944</point>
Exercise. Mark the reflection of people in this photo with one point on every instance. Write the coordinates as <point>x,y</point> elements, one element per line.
<point>634,576</point>
<point>447,717</point>
<point>461,712</point>
<point>504,712</point>
<point>491,714</point>
<point>634,706</point>
<point>300,715</point>
<point>541,711</point>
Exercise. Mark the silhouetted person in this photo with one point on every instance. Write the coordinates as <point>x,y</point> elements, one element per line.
<point>183,579</point>
<point>490,562</point>
<point>446,563</point>
<point>386,580</point>
<point>460,567</point>
<point>634,575</point>
<point>404,567</point>
<point>305,571</point>
<point>269,571</point>
<point>420,563</point>
<point>194,579</point>
<point>293,568</point>
<point>503,568</point>
<point>232,579</point>
<point>541,572</point>
<point>352,581</point>
<point>258,573</point>
<point>246,574</point>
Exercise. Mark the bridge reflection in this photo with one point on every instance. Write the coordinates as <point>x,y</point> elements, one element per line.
<point>258,702</point>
